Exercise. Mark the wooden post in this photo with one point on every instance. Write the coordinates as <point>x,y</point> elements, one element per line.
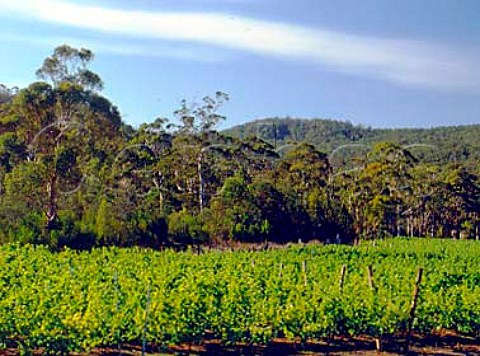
<point>342,277</point>
<point>370,278</point>
<point>145,325</point>
<point>304,268</point>
<point>117,310</point>
<point>411,318</point>
<point>371,284</point>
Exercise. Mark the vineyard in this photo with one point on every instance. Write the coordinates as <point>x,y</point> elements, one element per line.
<point>77,301</point>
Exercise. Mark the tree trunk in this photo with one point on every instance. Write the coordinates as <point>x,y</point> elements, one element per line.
<point>52,207</point>
<point>159,186</point>
<point>477,226</point>
<point>200,181</point>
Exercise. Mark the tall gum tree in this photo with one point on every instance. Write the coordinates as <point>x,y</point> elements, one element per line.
<point>63,124</point>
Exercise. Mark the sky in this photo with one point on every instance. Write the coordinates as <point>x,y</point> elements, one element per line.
<point>379,63</point>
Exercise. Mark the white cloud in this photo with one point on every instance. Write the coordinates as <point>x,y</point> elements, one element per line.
<point>120,48</point>
<point>405,62</point>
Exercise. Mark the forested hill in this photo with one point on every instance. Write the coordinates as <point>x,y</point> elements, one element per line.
<point>449,144</point>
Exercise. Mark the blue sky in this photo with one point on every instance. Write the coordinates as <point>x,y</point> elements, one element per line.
<point>380,63</point>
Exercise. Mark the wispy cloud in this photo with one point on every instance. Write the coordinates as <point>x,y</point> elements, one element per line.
<point>406,62</point>
<point>187,52</point>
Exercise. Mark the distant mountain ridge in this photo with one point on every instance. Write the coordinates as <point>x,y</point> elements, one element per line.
<point>450,143</point>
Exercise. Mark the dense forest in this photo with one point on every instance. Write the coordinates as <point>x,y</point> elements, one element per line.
<point>441,145</point>
<point>74,174</point>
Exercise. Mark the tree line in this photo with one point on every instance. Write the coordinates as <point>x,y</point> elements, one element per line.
<point>451,144</point>
<point>73,174</point>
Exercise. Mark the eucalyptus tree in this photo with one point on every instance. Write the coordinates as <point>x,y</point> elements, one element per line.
<point>65,127</point>
<point>257,158</point>
<point>305,169</point>
<point>422,212</point>
<point>145,164</point>
<point>462,202</point>
<point>303,174</point>
<point>234,214</point>
<point>70,65</point>
<point>377,190</point>
<point>7,93</point>
<point>198,146</point>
